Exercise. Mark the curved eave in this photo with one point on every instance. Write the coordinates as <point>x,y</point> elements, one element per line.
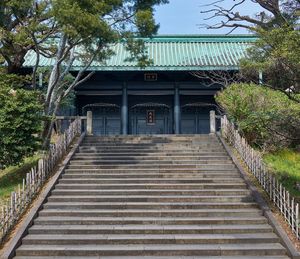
<point>167,68</point>
<point>171,53</point>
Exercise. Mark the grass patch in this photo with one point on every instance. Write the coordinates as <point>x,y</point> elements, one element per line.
<point>12,176</point>
<point>286,165</point>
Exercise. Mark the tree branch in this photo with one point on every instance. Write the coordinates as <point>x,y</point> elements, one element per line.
<point>236,20</point>
<point>213,78</point>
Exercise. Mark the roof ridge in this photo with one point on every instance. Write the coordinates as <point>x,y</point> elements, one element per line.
<point>200,38</point>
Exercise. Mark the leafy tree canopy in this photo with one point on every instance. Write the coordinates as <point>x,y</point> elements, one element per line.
<point>20,120</point>
<point>69,30</point>
<point>276,54</point>
<point>31,24</point>
<point>267,118</point>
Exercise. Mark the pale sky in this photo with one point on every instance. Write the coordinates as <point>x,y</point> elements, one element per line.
<point>184,16</point>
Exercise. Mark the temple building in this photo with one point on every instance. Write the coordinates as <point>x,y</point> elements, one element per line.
<point>165,97</point>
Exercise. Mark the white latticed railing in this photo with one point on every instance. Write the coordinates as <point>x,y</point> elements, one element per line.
<point>276,192</point>
<point>35,179</point>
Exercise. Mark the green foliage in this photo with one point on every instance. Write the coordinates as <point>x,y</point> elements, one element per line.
<point>276,53</point>
<point>12,176</point>
<point>12,80</point>
<point>84,19</point>
<point>20,121</point>
<point>26,25</point>
<point>286,165</point>
<point>137,49</point>
<point>21,23</point>
<point>267,118</point>
<point>145,23</point>
<point>70,31</point>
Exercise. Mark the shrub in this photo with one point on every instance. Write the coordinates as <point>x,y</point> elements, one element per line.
<point>286,165</point>
<point>20,121</point>
<point>267,118</point>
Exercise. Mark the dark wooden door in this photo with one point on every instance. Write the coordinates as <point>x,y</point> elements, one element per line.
<point>106,121</point>
<point>140,123</point>
<point>195,120</point>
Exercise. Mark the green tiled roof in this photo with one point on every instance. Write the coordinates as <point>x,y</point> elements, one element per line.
<point>174,52</point>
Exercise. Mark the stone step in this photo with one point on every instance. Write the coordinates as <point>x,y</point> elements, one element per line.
<point>155,257</point>
<point>93,149</point>
<point>126,157</point>
<point>156,166</point>
<point>153,213</point>
<point>144,162</point>
<point>70,175</point>
<point>162,154</point>
<point>168,149</point>
<point>148,198</point>
<point>158,142</point>
<point>204,142</point>
<point>159,146</point>
<point>150,170</point>
<point>162,146</point>
<point>151,139</point>
<point>162,192</point>
<point>149,229</point>
<point>175,196</point>
<point>148,180</point>
<point>149,220</point>
<point>150,205</point>
<point>166,137</point>
<point>153,249</point>
<point>126,186</point>
<point>149,239</point>
<point>142,148</point>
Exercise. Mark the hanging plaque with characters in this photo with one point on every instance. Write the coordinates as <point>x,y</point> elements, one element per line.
<point>150,117</point>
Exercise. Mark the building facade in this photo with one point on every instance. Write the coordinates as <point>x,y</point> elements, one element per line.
<point>165,97</point>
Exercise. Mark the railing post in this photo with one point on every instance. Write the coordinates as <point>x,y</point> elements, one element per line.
<point>34,180</point>
<point>212,116</point>
<point>89,123</point>
<point>297,221</point>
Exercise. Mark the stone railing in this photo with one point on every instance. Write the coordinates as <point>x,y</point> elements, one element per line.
<point>279,196</point>
<point>87,121</point>
<point>35,179</point>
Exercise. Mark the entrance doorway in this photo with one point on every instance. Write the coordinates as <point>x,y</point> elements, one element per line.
<point>150,118</point>
<point>106,118</point>
<point>195,118</point>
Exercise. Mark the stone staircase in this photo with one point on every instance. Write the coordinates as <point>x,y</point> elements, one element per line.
<point>151,197</point>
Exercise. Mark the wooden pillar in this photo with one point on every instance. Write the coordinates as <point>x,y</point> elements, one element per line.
<point>124,110</point>
<point>212,116</point>
<point>89,123</point>
<point>177,112</point>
